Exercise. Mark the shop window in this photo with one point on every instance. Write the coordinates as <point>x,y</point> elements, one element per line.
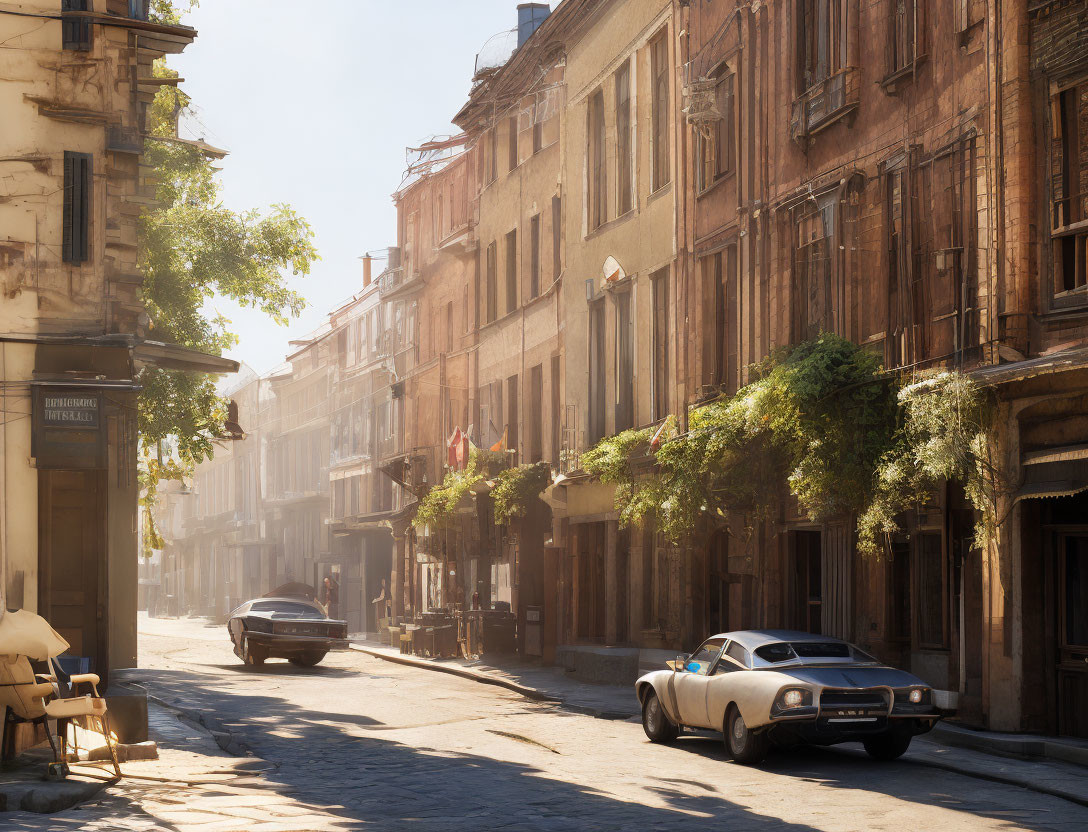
<point>659,144</point>
<point>1069,196</point>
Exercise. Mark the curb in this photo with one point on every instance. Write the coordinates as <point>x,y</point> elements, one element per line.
<point>223,737</point>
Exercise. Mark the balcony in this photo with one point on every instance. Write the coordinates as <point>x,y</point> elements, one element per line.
<point>823,104</point>
<point>124,140</point>
<point>397,281</point>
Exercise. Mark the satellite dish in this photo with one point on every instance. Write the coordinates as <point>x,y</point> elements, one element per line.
<point>613,271</point>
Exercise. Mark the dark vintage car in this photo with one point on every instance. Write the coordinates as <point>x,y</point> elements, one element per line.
<point>285,625</point>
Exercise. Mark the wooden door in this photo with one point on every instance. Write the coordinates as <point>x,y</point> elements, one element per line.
<point>71,560</point>
<point>1073,635</point>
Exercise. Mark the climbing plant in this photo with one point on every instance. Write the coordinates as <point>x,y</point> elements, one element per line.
<point>943,436</point>
<point>515,488</point>
<point>438,507</point>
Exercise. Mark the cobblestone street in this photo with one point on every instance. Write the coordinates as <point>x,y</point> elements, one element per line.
<point>361,743</point>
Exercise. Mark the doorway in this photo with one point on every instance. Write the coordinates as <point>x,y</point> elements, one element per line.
<point>71,560</point>
<point>805,582</point>
<point>1072,630</point>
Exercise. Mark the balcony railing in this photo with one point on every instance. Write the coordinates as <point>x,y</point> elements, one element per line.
<point>824,103</point>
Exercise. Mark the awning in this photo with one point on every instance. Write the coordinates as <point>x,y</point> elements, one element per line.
<point>175,357</point>
<point>1053,479</point>
<point>1064,360</point>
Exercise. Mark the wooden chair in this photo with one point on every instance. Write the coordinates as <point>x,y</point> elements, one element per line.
<point>27,698</point>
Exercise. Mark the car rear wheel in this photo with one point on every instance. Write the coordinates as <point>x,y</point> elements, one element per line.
<point>307,659</point>
<point>252,656</point>
<point>743,746</point>
<point>654,721</point>
<point>888,746</point>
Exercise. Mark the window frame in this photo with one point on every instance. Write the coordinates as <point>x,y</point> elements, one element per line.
<point>660,97</point>
<point>596,161</point>
<point>625,174</point>
<point>78,206</point>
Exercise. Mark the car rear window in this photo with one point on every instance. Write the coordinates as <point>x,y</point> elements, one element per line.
<point>286,609</point>
<point>783,651</point>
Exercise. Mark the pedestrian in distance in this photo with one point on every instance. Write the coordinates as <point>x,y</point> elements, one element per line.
<point>332,598</point>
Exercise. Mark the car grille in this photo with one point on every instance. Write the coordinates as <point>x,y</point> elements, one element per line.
<point>302,629</point>
<point>853,702</point>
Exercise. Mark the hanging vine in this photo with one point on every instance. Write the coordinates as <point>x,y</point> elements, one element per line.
<point>438,508</point>
<point>824,418</point>
<point>515,488</point>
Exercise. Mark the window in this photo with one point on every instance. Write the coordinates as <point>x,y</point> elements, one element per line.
<point>822,40</point>
<point>492,154</point>
<point>906,29</point>
<point>449,326</point>
<point>492,284</point>
<point>512,142</point>
<point>659,69</point>
<point>660,335</point>
<point>815,222</point>
<point>512,416</point>
<point>898,577</point>
<point>77,207</point>
<point>625,363</point>
<point>597,379</point>
<point>721,314</point>
<point>899,283</point>
<point>557,237</point>
<point>76,31</point>
<point>704,657</point>
<point>536,413</point>
<point>598,177</point>
<point>624,169</point>
<point>931,582</point>
<point>715,140</point>
<point>534,256</point>
<point>1069,194</point>
<point>557,405</point>
<point>512,270</point>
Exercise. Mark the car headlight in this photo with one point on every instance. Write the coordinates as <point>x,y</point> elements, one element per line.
<point>794,698</point>
<point>917,695</point>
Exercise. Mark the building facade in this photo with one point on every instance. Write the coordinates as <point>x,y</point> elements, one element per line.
<point>78,82</point>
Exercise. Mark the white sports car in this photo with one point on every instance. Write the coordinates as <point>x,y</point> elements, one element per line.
<point>764,687</point>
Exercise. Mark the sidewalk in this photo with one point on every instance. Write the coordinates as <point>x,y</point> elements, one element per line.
<point>949,747</point>
<point>193,785</point>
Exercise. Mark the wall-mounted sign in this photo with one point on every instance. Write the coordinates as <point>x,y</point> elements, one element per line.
<point>68,429</point>
<point>71,410</point>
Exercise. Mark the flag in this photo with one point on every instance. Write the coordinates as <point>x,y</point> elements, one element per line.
<point>501,444</point>
<point>452,447</point>
<point>657,435</point>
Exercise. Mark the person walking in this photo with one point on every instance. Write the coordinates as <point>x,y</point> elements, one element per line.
<point>332,598</point>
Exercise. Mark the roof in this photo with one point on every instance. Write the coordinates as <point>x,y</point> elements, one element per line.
<point>751,639</point>
<point>1068,359</point>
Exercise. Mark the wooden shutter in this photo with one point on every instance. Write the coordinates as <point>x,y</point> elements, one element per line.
<point>77,206</point>
<point>76,32</point>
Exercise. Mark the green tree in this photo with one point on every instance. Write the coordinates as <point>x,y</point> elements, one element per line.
<point>194,249</point>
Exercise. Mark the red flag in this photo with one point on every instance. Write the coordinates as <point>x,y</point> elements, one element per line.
<point>454,454</point>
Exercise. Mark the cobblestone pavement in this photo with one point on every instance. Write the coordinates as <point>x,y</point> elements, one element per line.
<point>359,743</point>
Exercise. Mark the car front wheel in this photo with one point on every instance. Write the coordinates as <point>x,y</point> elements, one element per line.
<point>251,655</point>
<point>654,722</point>
<point>307,659</point>
<point>743,746</point>
<point>887,746</point>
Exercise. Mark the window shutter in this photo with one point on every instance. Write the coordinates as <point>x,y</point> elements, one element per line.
<point>76,32</point>
<point>77,205</point>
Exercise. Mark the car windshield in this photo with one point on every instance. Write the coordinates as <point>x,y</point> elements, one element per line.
<point>785,651</point>
<point>286,609</point>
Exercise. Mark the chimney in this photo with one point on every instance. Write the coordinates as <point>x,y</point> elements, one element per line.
<point>367,259</point>
<point>530,16</point>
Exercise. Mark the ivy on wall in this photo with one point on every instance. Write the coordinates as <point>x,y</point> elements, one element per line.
<point>822,417</point>
<point>515,488</point>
